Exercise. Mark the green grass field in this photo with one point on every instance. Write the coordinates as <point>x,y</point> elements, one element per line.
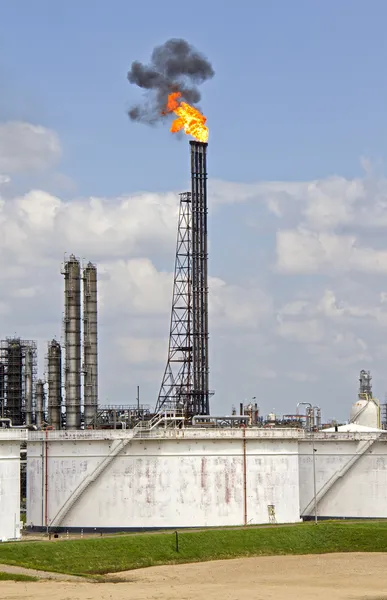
<point>16,577</point>
<point>124,552</point>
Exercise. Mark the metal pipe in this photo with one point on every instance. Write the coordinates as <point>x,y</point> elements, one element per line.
<point>244,478</point>
<point>314,481</point>
<point>55,384</point>
<point>72,326</point>
<point>206,418</point>
<point>46,482</point>
<point>199,278</point>
<point>303,404</point>
<point>10,426</point>
<point>90,344</point>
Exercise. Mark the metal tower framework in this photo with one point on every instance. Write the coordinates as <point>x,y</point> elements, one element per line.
<point>176,386</point>
<point>18,369</point>
<point>185,383</point>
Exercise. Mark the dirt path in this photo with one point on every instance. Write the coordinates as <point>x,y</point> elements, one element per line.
<point>328,577</point>
<point>40,574</point>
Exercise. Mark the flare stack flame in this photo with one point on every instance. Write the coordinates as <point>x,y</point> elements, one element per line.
<point>189,119</point>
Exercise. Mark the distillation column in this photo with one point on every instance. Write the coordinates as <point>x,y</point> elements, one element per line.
<point>90,343</point>
<point>2,390</point>
<point>72,333</point>
<point>28,384</point>
<point>201,405</point>
<point>14,388</point>
<point>54,360</point>
<point>39,404</point>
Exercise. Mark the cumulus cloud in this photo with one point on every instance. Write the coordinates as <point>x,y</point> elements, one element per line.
<point>296,317</point>
<point>101,227</point>
<point>304,251</point>
<point>25,147</point>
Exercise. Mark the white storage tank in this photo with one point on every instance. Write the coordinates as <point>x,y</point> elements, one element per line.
<point>10,440</point>
<point>366,413</point>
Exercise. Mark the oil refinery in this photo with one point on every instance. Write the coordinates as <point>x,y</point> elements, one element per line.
<point>113,468</point>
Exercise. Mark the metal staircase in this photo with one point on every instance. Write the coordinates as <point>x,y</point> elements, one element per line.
<point>165,420</point>
<point>361,451</point>
<point>169,419</point>
<point>89,479</point>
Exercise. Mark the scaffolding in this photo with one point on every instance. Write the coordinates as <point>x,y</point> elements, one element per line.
<point>18,371</point>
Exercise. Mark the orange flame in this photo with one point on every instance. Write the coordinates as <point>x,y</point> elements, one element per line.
<point>189,118</point>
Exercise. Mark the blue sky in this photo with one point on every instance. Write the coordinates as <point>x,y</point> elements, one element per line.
<point>298,91</point>
<point>299,95</point>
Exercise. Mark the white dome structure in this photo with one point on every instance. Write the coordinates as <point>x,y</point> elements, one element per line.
<point>366,413</point>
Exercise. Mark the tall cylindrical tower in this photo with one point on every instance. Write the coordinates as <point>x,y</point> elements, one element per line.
<point>14,387</point>
<point>28,384</point>
<point>201,405</point>
<point>2,389</point>
<point>72,333</point>
<point>54,360</point>
<point>90,343</point>
<point>39,412</point>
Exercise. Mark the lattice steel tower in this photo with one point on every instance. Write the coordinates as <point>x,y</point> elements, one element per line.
<point>185,383</point>
<point>176,387</point>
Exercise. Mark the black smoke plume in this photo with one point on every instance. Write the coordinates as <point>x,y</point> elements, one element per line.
<point>174,66</point>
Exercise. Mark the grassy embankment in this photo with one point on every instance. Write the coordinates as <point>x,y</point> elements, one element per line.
<point>16,577</point>
<point>124,552</point>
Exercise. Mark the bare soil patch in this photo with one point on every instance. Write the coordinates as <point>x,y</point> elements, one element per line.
<point>330,577</point>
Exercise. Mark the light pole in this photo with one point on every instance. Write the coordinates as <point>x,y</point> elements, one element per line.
<point>314,481</point>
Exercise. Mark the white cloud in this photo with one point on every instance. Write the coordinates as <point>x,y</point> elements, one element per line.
<point>284,335</point>
<point>25,147</point>
<point>304,251</point>
<point>101,227</point>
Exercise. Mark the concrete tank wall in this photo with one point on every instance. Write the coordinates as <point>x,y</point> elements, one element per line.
<point>10,483</point>
<point>351,477</point>
<point>186,478</point>
<point>211,479</point>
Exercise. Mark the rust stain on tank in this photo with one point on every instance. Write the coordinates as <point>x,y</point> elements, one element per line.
<point>227,490</point>
<point>204,473</point>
